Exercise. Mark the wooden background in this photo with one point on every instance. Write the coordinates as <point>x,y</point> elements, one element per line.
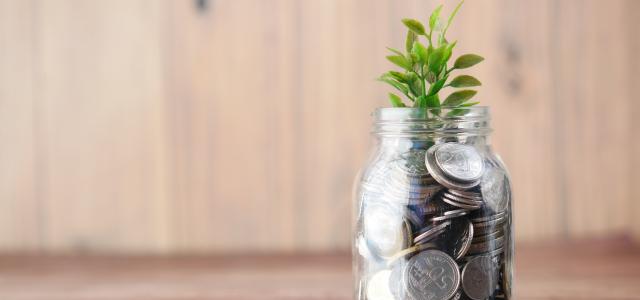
<point>142,126</point>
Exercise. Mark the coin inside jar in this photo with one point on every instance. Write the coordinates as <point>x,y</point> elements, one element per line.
<point>441,177</point>
<point>494,190</point>
<point>459,161</point>
<point>431,275</point>
<point>385,229</point>
<point>378,286</point>
<point>479,277</point>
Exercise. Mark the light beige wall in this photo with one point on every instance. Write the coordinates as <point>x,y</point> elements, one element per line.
<point>147,126</point>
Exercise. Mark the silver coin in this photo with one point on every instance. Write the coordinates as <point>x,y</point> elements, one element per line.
<point>459,204</point>
<point>488,217</point>
<point>489,236</point>
<point>378,286</point>
<point>458,161</point>
<point>490,223</point>
<point>495,254</point>
<point>441,178</point>
<point>430,232</point>
<point>385,229</point>
<point>431,275</point>
<point>479,278</point>
<point>457,239</point>
<point>450,215</point>
<point>486,246</point>
<point>493,189</point>
<point>396,285</point>
<point>466,194</point>
<point>412,162</point>
<point>464,200</point>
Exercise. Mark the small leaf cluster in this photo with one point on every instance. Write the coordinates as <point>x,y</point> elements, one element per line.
<point>425,71</point>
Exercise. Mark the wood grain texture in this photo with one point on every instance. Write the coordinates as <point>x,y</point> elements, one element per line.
<point>101,112</point>
<point>20,210</point>
<point>155,126</point>
<point>592,269</point>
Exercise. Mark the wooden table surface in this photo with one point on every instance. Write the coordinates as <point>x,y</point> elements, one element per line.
<point>598,269</point>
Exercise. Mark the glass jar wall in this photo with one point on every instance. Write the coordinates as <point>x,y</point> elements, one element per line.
<point>433,209</point>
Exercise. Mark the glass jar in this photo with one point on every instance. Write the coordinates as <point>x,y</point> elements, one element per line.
<point>433,209</point>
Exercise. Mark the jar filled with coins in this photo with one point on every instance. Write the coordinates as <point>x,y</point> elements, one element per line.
<point>433,209</point>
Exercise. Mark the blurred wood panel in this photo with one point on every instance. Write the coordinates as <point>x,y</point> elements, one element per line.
<point>159,126</point>
<point>20,210</point>
<point>102,124</point>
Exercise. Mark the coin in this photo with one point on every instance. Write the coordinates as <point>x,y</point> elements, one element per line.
<point>486,246</point>
<point>489,236</point>
<point>385,229</point>
<point>460,204</point>
<point>396,285</point>
<point>428,233</point>
<point>431,275</point>
<point>493,189</point>
<point>486,218</point>
<point>457,238</point>
<point>378,286</point>
<point>408,252</point>
<point>458,161</point>
<point>440,176</point>
<point>479,278</point>
<point>450,215</point>
<point>464,200</point>
<point>466,194</point>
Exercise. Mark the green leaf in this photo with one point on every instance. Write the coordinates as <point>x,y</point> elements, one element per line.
<point>400,61</point>
<point>434,18</point>
<point>435,59</point>
<point>433,101</point>
<point>467,60</point>
<point>464,81</point>
<point>395,51</point>
<point>420,51</point>
<point>420,102</point>
<point>448,51</point>
<point>461,111</point>
<point>411,38</point>
<point>395,100</point>
<point>415,26</point>
<point>459,97</point>
<point>437,86</point>
<point>453,15</point>
<point>415,84</point>
<point>469,104</point>
<point>399,76</point>
<point>394,83</point>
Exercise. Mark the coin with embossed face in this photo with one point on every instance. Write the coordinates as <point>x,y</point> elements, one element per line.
<point>493,189</point>
<point>480,277</point>
<point>459,161</point>
<point>431,275</point>
<point>439,175</point>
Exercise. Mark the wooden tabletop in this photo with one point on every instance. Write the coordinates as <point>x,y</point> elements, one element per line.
<point>598,269</point>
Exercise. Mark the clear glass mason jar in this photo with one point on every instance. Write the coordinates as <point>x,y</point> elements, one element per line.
<point>433,209</point>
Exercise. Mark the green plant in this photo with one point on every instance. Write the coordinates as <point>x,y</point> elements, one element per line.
<point>425,71</point>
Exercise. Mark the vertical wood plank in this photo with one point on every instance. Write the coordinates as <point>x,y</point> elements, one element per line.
<point>19,207</point>
<point>232,104</point>
<point>594,126</point>
<point>102,116</point>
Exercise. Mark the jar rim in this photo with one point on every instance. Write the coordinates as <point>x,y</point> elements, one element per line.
<point>425,114</point>
<point>473,120</point>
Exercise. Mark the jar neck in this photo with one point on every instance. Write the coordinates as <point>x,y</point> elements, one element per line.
<point>432,123</point>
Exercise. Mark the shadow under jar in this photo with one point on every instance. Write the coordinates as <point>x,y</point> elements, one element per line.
<point>433,209</point>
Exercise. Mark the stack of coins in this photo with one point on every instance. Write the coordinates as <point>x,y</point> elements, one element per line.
<point>435,225</point>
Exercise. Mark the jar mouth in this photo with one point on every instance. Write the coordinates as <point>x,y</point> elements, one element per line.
<point>458,121</point>
<point>428,114</point>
